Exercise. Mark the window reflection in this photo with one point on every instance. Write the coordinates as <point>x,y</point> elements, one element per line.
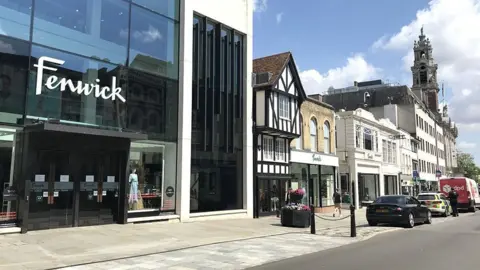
<point>13,78</point>
<point>15,18</point>
<point>94,28</point>
<point>68,105</point>
<point>169,8</point>
<point>152,104</point>
<point>153,43</point>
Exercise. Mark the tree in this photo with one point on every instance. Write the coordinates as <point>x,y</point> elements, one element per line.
<point>467,166</point>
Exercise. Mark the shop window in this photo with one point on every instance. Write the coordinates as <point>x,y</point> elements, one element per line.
<point>326,138</point>
<point>367,139</point>
<point>8,188</point>
<point>217,117</point>
<point>299,173</point>
<point>15,18</point>
<point>313,135</point>
<point>314,179</point>
<point>14,57</point>
<point>368,187</point>
<point>283,107</point>
<point>268,148</point>
<point>153,43</point>
<point>327,185</point>
<point>97,29</point>
<point>169,8</point>
<point>152,178</point>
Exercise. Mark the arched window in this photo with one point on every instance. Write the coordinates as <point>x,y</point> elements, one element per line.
<point>313,135</point>
<point>299,140</point>
<point>326,137</point>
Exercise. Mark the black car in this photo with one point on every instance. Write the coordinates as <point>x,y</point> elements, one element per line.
<point>398,209</point>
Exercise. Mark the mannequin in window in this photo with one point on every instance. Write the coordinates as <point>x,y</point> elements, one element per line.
<point>133,180</point>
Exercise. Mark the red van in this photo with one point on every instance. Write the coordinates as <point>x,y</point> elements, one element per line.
<point>467,189</point>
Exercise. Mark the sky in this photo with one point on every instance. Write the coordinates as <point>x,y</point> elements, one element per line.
<point>336,42</point>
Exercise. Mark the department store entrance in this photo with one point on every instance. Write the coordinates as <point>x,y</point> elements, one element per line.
<point>72,179</point>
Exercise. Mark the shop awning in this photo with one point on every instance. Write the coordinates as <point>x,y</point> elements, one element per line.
<point>87,130</point>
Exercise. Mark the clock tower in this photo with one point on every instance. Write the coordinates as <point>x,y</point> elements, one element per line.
<point>424,73</point>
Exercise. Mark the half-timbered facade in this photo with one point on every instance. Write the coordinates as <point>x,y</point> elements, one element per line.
<point>278,94</point>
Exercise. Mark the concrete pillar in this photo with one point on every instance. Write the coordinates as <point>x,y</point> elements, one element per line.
<point>185,112</point>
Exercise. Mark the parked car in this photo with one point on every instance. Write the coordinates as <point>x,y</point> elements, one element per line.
<point>436,202</point>
<point>398,209</point>
<point>467,189</point>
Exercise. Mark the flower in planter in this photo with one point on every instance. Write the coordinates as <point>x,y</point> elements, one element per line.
<point>297,206</point>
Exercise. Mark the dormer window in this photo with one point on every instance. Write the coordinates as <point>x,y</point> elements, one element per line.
<point>284,107</point>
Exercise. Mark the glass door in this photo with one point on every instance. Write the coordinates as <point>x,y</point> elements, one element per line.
<point>110,167</point>
<point>51,203</point>
<point>89,176</point>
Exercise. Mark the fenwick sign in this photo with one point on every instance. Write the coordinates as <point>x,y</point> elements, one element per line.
<point>113,92</point>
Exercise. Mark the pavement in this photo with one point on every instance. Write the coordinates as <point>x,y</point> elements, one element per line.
<point>220,244</point>
<point>450,243</point>
<point>237,243</point>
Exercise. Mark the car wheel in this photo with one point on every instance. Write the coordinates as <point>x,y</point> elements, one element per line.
<point>446,213</point>
<point>410,221</point>
<point>428,220</point>
<point>372,223</point>
<point>473,208</point>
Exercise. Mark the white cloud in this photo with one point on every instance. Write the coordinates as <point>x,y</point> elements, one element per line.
<point>463,145</point>
<point>259,5</point>
<point>146,36</point>
<point>279,17</point>
<point>356,69</point>
<point>452,27</point>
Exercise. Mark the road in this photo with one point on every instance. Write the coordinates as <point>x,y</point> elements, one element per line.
<point>454,244</point>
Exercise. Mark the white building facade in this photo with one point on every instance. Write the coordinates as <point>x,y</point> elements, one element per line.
<point>368,150</point>
<point>210,149</point>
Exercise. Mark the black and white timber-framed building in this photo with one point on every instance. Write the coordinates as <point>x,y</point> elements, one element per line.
<point>278,95</point>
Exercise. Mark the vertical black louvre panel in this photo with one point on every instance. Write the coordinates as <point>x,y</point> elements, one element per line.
<point>210,116</point>
<point>217,128</point>
<point>203,89</point>
<point>233,81</point>
<point>196,62</point>
<point>218,69</point>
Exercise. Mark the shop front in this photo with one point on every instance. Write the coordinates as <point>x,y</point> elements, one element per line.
<point>89,118</point>
<point>316,173</point>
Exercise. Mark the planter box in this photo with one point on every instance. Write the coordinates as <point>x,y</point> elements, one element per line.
<point>295,218</point>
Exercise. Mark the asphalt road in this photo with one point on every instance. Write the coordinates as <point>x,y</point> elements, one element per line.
<point>453,244</point>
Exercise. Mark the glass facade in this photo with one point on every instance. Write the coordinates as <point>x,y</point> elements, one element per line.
<point>103,64</point>
<point>318,182</point>
<point>217,117</point>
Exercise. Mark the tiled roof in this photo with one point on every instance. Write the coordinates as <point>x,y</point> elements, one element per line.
<point>273,63</point>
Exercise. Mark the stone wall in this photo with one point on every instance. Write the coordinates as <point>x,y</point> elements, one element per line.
<point>313,110</point>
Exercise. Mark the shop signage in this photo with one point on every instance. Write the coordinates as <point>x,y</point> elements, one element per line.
<point>317,157</point>
<point>113,92</point>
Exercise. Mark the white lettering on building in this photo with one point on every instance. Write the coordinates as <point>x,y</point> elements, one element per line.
<point>53,82</point>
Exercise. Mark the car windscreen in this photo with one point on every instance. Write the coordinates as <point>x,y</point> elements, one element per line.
<point>426,197</point>
<point>391,200</point>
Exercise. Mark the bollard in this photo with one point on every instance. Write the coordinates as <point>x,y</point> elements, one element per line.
<point>312,220</point>
<point>353,227</point>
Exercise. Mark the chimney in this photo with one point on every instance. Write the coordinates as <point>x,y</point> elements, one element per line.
<point>316,97</point>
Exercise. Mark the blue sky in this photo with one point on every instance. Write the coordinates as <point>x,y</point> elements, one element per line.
<point>335,42</point>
